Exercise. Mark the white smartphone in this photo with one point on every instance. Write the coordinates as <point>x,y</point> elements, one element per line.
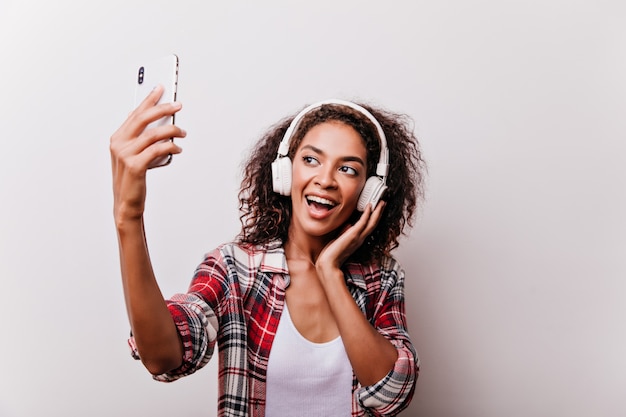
<point>149,74</point>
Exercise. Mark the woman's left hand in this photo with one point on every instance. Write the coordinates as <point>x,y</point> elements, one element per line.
<point>349,240</point>
<point>371,355</point>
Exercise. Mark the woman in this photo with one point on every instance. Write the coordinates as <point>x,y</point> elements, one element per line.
<point>307,305</point>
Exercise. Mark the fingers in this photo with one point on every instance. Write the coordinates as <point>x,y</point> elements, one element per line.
<point>154,96</point>
<point>368,220</point>
<point>148,111</point>
<point>160,135</point>
<point>142,116</point>
<point>136,145</point>
<point>149,101</point>
<point>353,236</point>
<point>149,145</point>
<point>138,141</point>
<point>374,218</point>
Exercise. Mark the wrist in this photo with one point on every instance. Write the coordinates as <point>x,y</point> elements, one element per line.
<point>126,221</point>
<point>330,275</point>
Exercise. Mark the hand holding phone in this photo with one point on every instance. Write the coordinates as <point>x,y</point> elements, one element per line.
<point>162,71</point>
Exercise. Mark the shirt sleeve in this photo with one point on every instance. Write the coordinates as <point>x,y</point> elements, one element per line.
<point>195,317</point>
<point>394,392</point>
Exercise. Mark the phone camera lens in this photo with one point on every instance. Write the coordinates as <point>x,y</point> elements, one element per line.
<point>140,75</point>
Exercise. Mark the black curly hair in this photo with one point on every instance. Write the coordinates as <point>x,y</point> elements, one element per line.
<point>265,215</point>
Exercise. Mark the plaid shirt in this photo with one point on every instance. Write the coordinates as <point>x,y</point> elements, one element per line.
<point>236,299</point>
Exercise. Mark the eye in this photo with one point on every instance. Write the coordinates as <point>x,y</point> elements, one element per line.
<point>310,160</point>
<point>349,170</point>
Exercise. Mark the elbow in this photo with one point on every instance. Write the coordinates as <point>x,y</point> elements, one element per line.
<point>160,356</point>
<point>161,365</point>
<point>163,360</point>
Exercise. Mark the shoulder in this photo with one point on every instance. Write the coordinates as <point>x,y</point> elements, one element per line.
<point>250,258</point>
<point>381,273</point>
<point>384,266</point>
<point>241,250</point>
<point>390,265</point>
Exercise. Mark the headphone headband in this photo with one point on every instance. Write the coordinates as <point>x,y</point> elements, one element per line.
<point>383,162</point>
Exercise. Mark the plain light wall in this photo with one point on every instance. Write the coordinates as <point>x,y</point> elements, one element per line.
<point>515,289</point>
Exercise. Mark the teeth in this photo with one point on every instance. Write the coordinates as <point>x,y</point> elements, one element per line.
<point>321,200</point>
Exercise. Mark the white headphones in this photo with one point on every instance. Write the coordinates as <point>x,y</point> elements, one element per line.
<point>374,186</point>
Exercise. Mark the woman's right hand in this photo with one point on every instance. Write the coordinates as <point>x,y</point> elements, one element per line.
<point>133,148</point>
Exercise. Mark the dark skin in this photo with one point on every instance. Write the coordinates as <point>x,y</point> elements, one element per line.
<point>132,150</point>
<point>318,295</point>
<point>319,243</point>
<point>330,164</point>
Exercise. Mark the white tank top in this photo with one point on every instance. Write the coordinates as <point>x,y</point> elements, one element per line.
<point>304,378</point>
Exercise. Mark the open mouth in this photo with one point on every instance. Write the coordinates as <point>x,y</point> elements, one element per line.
<point>320,203</point>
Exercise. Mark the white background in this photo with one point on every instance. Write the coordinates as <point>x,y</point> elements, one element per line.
<point>516,290</point>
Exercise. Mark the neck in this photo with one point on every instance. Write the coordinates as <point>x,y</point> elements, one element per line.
<point>305,249</point>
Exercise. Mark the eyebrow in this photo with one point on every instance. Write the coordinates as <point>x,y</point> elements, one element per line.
<point>345,158</point>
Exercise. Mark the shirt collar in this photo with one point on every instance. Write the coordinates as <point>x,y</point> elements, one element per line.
<point>275,261</point>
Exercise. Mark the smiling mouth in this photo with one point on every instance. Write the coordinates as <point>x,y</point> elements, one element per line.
<point>320,203</point>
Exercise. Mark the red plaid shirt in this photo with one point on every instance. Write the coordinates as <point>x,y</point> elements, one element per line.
<point>236,299</point>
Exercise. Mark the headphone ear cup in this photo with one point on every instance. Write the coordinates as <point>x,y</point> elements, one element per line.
<point>281,176</point>
<point>372,192</point>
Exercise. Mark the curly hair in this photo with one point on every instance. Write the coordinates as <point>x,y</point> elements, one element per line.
<point>265,215</point>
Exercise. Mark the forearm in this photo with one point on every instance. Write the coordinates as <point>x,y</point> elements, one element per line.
<point>371,355</point>
<point>152,325</point>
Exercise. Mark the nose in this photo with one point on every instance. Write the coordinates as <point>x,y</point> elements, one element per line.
<point>325,177</point>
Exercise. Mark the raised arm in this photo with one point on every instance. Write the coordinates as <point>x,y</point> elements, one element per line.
<point>133,148</point>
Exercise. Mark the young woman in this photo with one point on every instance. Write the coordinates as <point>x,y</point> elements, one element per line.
<point>307,305</point>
